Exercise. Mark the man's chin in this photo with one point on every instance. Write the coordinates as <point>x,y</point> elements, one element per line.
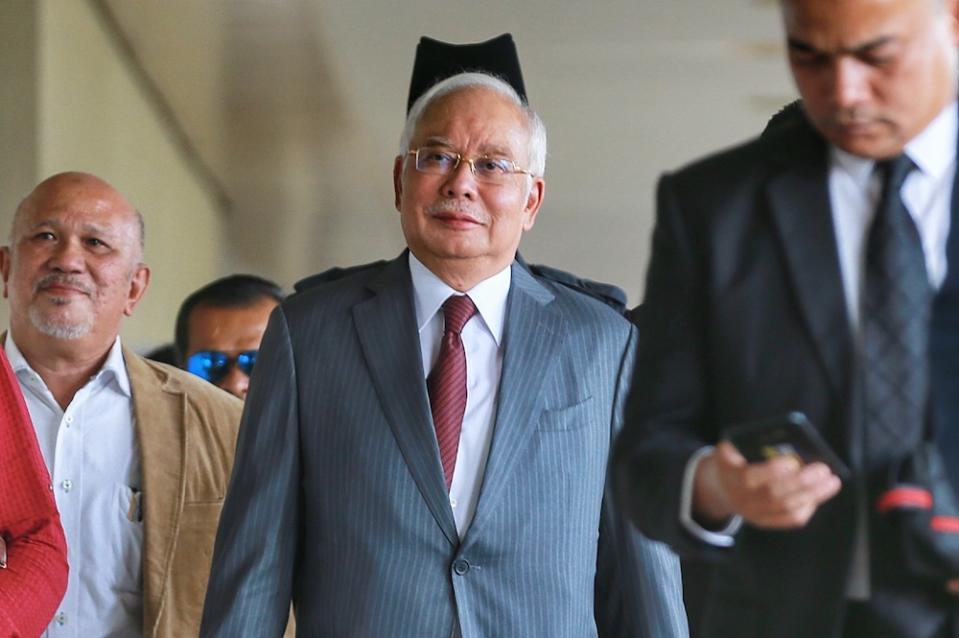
<point>59,328</point>
<point>869,141</point>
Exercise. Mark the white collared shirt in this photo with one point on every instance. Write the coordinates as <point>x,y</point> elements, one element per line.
<point>91,453</point>
<point>482,340</point>
<point>853,196</point>
<point>854,191</point>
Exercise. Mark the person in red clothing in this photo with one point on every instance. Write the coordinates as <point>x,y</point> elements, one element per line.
<point>33,551</point>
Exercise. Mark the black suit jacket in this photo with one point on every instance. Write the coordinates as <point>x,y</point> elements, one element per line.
<point>745,318</point>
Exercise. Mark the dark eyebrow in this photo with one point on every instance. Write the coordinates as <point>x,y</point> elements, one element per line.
<point>438,141</point>
<point>799,46</point>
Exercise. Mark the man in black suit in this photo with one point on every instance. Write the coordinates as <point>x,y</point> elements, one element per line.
<point>798,272</point>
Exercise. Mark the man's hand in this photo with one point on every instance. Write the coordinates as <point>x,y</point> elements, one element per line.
<point>777,494</point>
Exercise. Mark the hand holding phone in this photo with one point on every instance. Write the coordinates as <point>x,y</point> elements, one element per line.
<point>773,473</point>
<point>787,435</point>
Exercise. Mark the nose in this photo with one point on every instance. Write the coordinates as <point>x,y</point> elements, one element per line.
<point>67,256</point>
<point>461,182</point>
<point>235,382</point>
<point>850,82</point>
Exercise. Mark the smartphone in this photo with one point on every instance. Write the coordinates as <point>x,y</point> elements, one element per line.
<point>786,435</point>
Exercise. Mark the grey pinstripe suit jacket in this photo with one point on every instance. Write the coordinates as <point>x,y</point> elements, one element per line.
<point>337,498</point>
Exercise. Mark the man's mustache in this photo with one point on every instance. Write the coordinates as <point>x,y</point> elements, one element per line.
<point>455,206</point>
<point>62,280</point>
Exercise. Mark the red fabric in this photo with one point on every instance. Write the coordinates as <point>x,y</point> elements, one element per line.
<point>35,578</point>
<point>945,524</point>
<point>904,497</point>
<point>447,382</point>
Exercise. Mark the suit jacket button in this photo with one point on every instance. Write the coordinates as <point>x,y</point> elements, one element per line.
<point>461,566</point>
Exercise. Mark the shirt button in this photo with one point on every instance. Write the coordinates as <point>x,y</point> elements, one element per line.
<point>461,566</point>
<point>453,502</point>
<point>68,420</point>
<point>67,485</point>
<point>61,618</point>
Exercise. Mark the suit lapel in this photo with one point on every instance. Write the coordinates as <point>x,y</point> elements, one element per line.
<point>800,207</point>
<point>532,338</point>
<point>386,325</point>
<point>159,409</point>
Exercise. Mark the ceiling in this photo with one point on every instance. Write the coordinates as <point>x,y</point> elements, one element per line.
<point>294,108</point>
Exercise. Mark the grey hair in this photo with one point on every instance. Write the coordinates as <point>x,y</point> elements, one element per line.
<point>537,130</point>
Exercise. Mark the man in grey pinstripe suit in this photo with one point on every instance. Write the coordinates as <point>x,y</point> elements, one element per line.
<point>339,499</point>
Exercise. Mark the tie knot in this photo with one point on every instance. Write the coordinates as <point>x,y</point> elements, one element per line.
<point>457,310</point>
<point>894,172</point>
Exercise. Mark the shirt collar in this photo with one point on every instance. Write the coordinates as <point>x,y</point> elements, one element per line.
<point>489,296</point>
<point>933,150</point>
<point>113,367</point>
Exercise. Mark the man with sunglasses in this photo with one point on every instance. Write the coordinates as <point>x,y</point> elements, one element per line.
<point>138,452</point>
<point>219,328</point>
<point>424,446</point>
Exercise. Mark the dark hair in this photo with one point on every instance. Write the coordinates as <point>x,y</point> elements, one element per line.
<point>164,354</point>
<point>232,291</point>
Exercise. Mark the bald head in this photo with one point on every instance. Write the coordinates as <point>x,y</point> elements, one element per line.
<point>85,185</point>
<point>73,268</point>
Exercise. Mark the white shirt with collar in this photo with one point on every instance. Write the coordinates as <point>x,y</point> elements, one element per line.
<point>482,340</point>
<point>92,455</point>
<point>853,196</point>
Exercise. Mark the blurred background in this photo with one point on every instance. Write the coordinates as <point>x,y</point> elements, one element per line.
<point>259,135</point>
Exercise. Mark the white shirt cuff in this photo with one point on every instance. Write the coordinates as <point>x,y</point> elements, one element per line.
<point>724,537</point>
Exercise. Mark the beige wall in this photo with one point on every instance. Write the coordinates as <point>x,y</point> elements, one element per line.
<point>18,106</point>
<point>93,113</point>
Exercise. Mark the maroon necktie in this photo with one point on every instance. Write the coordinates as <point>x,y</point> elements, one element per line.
<point>447,382</point>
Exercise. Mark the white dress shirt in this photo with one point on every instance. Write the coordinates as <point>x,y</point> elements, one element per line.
<point>91,453</point>
<point>482,340</point>
<point>853,196</point>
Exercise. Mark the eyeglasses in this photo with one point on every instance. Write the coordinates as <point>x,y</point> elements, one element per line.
<point>437,161</point>
<point>213,365</point>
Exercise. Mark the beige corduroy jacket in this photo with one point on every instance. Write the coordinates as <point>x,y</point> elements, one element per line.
<point>187,432</point>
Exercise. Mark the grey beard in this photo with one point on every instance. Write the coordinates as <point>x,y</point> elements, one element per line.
<point>58,331</point>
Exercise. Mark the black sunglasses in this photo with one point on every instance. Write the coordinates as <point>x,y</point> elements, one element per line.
<point>213,365</point>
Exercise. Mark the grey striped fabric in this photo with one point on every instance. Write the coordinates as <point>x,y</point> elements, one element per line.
<point>338,499</point>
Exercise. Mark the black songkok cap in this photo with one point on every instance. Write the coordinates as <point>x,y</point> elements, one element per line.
<point>435,61</point>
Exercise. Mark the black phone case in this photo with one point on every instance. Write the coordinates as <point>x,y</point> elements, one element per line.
<point>786,435</point>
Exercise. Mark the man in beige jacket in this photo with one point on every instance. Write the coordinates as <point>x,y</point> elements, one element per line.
<point>139,453</point>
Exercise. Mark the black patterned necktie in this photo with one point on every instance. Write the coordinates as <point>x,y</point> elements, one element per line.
<point>446,382</point>
<point>896,305</point>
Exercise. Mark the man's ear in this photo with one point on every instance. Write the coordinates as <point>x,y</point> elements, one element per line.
<point>534,200</point>
<point>5,258</point>
<point>952,8</point>
<point>138,286</point>
<point>398,180</point>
